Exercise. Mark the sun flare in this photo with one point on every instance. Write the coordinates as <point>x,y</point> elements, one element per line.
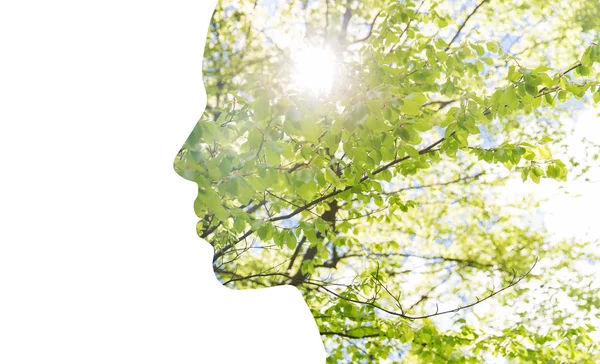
<point>314,70</point>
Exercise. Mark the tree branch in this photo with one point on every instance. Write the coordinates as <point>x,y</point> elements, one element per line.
<point>464,23</point>
<point>370,31</point>
<point>349,336</point>
<point>514,281</point>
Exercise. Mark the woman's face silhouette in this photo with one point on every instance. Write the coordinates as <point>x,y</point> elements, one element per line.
<point>269,84</point>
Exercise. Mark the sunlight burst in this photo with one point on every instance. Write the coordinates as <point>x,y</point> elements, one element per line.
<point>314,70</point>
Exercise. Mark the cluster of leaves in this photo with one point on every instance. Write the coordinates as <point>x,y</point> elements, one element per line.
<point>383,199</point>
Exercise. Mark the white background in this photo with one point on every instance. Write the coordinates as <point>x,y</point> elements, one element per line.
<point>99,260</point>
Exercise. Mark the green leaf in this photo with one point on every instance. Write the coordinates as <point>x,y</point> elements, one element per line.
<point>524,174</point>
<point>386,175</point>
<point>311,235</point>
<point>586,59</point>
<point>265,232</point>
<point>544,152</point>
<point>220,212</point>
<point>404,134</point>
<point>492,47</point>
<point>412,152</point>
<point>552,172</point>
<point>261,109</point>
<point>408,334</point>
<point>479,49</point>
<point>410,107</point>
<point>583,70</point>
<point>532,90</point>
<point>442,23</point>
<point>421,125</point>
<point>255,138</point>
<point>290,241</point>
<point>239,225</point>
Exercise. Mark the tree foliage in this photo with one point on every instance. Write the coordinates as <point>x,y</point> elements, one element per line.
<point>386,200</point>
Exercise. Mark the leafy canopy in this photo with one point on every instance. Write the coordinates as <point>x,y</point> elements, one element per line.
<point>386,201</point>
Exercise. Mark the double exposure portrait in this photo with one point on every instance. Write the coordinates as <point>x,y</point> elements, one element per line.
<point>384,157</point>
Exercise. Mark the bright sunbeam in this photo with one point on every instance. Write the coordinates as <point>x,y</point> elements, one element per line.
<point>314,70</point>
